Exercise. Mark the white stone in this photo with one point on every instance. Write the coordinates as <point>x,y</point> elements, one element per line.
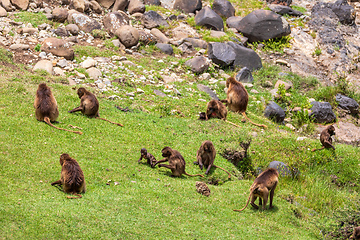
<point>44,65</point>
<point>88,63</point>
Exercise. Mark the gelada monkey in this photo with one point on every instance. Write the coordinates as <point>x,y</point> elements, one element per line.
<point>176,162</point>
<point>151,160</point>
<point>46,108</point>
<point>89,105</point>
<point>264,183</point>
<point>216,109</point>
<point>72,177</point>
<point>356,233</point>
<point>325,138</point>
<point>206,156</point>
<point>237,98</point>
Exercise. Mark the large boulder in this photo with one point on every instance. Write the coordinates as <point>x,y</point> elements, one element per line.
<point>274,112</point>
<point>221,53</point>
<point>262,25</point>
<point>20,4</point>
<point>282,10</point>
<point>233,22</point>
<point>128,35</point>
<point>78,5</point>
<point>321,112</point>
<point>106,3</point>
<point>84,22</point>
<point>198,64</point>
<point>344,11</point>
<point>152,19</point>
<point>114,20</point>
<point>223,8</point>
<point>188,6</point>
<point>60,14</point>
<point>58,47</point>
<point>347,103</point>
<point>136,6</point>
<point>165,48</point>
<point>281,167</point>
<point>7,5</point>
<point>245,57</point>
<point>208,18</point>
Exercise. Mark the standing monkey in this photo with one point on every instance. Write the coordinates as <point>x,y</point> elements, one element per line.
<point>72,177</point>
<point>151,160</point>
<point>89,105</point>
<point>264,183</point>
<point>206,156</point>
<point>325,138</point>
<point>237,98</point>
<point>46,108</point>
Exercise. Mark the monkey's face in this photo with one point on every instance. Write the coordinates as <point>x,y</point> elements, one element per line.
<point>207,147</point>
<point>63,158</point>
<point>166,152</point>
<point>81,92</point>
<point>331,130</point>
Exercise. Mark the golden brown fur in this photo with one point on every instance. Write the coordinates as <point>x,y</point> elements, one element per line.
<point>216,109</point>
<point>266,182</point>
<point>89,105</point>
<point>237,98</point>
<point>151,160</point>
<point>46,108</point>
<point>356,233</point>
<point>176,162</point>
<point>325,138</point>
<point>72,177</point>
<point>206,156</point>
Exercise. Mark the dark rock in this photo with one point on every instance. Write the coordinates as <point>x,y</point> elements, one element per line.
<point>208,18</point>
<point>62,32</point>
<point>198,64</point>
<point>233,22</point>
<point>282,10</point>
<point>114,20</point>
<point>282,168</point>
<point>244,75</point>
<point>347,103</point>
<point>262,25</point>
<point>223,8</point>
<point>344,11</point>
<point>197,43</point>
<point>152,19</point>
<point>84,22</point>
<point>221,54</point>
<point>172,17</point>
<point>165,48</point>
<point>188,6</point>
<point>245,57</point>
<point>274,112</point>
<point>152,2</point>
<point>207,90</point>
<point>321,112</point>
<point>120,5</point>
<point>186,47</point>
<point>281,2</point>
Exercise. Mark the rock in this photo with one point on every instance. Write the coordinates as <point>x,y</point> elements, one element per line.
<point>280,2</point>
<point>59,72</point>
<point>88,63</point>
<point>159,93</point>
<point>321,112</point>
<point>62,32</point>
<point>202,188</point>
<point>15,47</point>
<point>208,18</point>
<point>7,5</point>
<point>20,4</point>
<point>146,38</point>
<point>44,65</point>
<point>282,168</point>
<point>106,3</point>
<point>152,2</point>
<point>95,6</point>
<point>344,11</point>
<point>78,5</point>
<point>84,22</point>
<point>282,10</point>
<point>160,37</point>
<point>347,103</point>
<point>197,43</point>
<point>114,20</point>
<point>73,29</point>
<point>128,35</point>
<point>347,133</point>
<point>186,47</point>
<point>198,64</point>
<point>274,112</point>
<point>58,47</point>
<point>207,90</point>
<point>183,31</point>
<point>27,30</point>
<point>3,12</point>
<point>94,73</point>
<point>152,19</point>
<point>188,6</point>
<point>245,57</point>
<point>223,8</point>
<point>286,84</point>
<point>136,6</point>
<point>262,25</point>
<point>217,34</point>
<point>221,53</point>
<point>290,126</point>
<point>60,15</point>
<point>62,63</point>
<point>244,75</point>
<point>120,5</point>
<point>165,48</point>
<point>233,22</point>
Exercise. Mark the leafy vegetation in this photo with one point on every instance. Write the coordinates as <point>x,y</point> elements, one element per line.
<point>34,18</point>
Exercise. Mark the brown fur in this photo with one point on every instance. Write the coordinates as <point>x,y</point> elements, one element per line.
<point>356,233</point>
<point>202,188</point>
<point>206,156</point>
<point>89,105</point>
<point>325,138</point>
<point>176,162</point>
<point>237,98</point>
<point>216,109</point>
<point>264,183</point>
<point>148,156</point>
<point>46,108</point>
<point>72,177</point>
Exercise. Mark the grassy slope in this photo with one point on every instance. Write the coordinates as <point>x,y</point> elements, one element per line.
<point>148,203</point>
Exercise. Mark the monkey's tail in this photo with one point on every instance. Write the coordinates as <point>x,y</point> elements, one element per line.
<point>232,123</point>
<point>73,197</point>
<point>223,170</point>
<point>47,120</point>
<point>236,210</point>
<point>313,150</point>
<point>119,124</point>
<point>193,175</point>
<point>259,125</point>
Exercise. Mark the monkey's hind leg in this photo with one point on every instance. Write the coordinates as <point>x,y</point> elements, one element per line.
<point>77,109</point>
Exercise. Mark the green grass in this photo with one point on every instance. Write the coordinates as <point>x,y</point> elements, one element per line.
<point>147,201</point>
<point>34,18</point>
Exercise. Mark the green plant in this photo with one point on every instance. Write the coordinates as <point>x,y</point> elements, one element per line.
<point>317,51</point>
<point>298,8</point>
<point>313,34</point>
<point>97,33</point>
<point>37,47</point>
<point>336,47</point>
<point>276,45</point>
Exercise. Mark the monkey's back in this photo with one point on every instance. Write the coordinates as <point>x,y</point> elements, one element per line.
<point>208,157</point>
<point>269,177</point>
<point>45,105</point>
<point>237,97</point>
<point>90,105</point>
<point>178,162</point>
<point>72,177</point>
<point>324,137</point>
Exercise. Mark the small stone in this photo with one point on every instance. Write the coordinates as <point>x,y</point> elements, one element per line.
<point>130,94</point>
<point>138,90</point>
